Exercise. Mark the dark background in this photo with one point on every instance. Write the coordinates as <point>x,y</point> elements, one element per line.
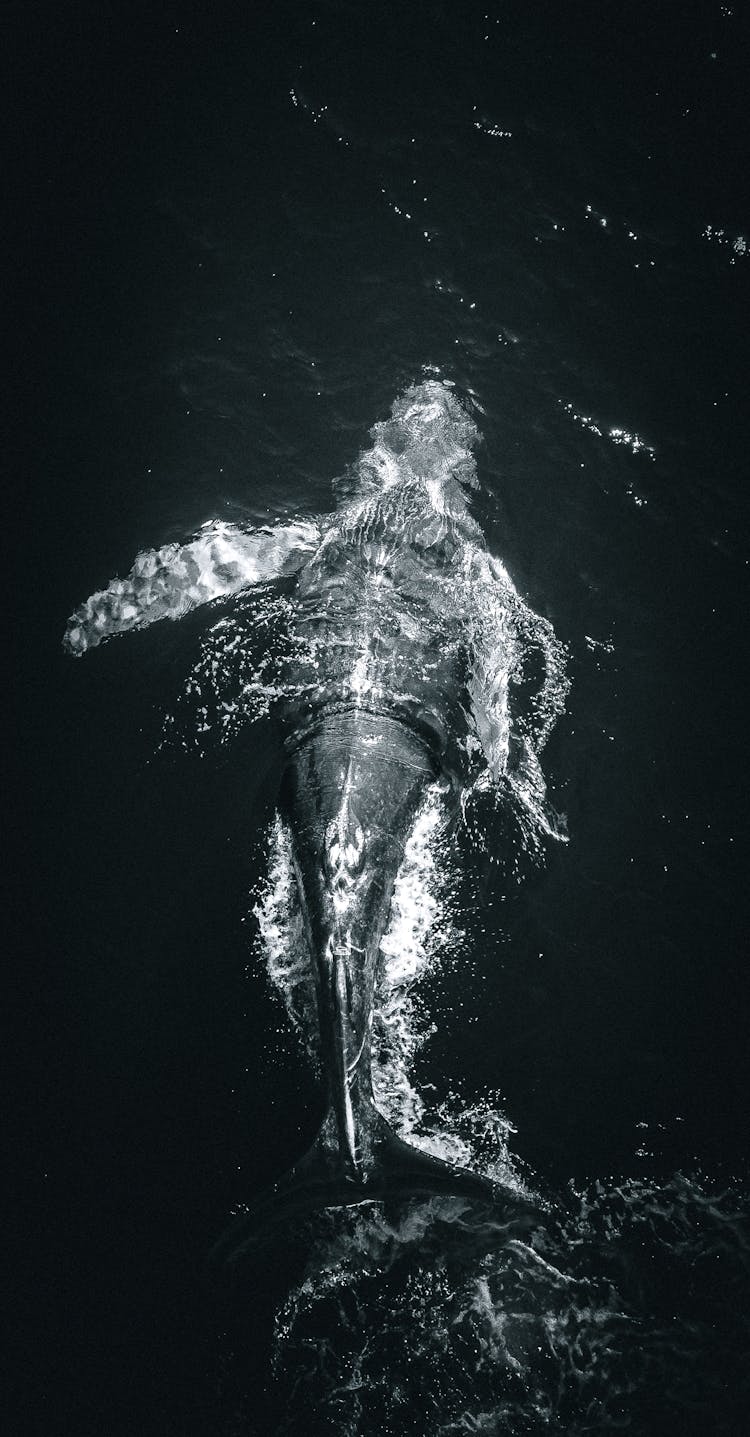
<point>211,297</point>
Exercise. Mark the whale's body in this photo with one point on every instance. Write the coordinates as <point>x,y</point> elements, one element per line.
<point>384,707</point>
<point>406,634</point>
<point>379,608</point>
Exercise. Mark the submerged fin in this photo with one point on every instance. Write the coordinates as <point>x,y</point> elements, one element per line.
<point>395,1169</point>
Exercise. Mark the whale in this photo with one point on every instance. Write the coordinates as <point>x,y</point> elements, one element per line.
<point>409,639</point>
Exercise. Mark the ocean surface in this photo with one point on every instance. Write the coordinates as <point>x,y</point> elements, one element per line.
<point>232,242</point>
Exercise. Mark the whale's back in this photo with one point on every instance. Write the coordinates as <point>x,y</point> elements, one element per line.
<point>382,627</point>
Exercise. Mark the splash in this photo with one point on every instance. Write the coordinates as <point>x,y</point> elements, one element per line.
<point>242,671</point>
<point>625,1310</point>
<point>421,930</point>
<point>421,927</point>
<point>615,433</point>
<point>283,938</point>
<point>738,244</point>
<point>424,931</point>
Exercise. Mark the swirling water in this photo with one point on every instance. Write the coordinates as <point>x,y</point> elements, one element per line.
<point>248,236</point>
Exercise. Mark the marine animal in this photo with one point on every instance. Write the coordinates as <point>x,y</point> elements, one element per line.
<point>409,637</point>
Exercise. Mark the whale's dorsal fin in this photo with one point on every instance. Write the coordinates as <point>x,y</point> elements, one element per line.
<point>166,583</point>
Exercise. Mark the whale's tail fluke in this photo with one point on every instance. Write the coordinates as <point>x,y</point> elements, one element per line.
<point>396,1170</point>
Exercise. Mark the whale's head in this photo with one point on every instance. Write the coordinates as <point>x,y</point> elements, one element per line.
<point>423,450</point>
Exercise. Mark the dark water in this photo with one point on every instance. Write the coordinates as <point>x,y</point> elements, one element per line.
<point>232,242</point>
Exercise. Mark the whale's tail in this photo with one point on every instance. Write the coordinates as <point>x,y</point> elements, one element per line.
<point>395,1170</point>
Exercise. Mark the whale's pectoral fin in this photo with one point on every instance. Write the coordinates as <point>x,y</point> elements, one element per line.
<point>166,583</point>
<point>506,635</point>
<point>396,1171</point>
<point>490,666</point>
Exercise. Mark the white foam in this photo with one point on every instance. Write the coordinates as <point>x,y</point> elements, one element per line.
<point>283,938</point>
<point>422,926</point>
<point>616,433</point>
<point>423,931</point>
